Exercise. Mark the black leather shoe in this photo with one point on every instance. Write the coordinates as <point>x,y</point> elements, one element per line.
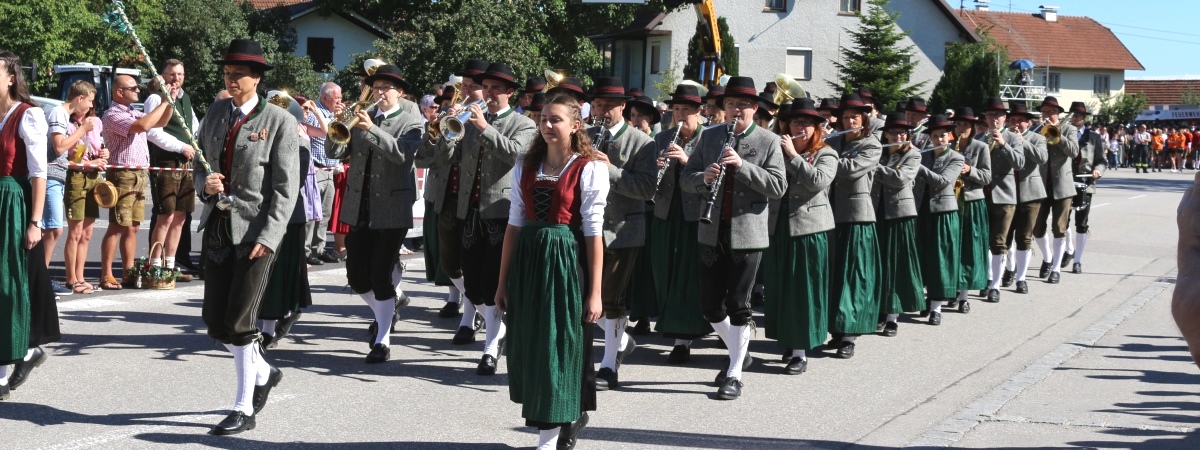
<point>464,336</point>
<point>629,348</point>
<point>606,379</point>
<point>236,422</point>
<point>402,302</point>
<point>787,355</point>
<point>796,366</point>
<point>964,307</point>
<point>731,389</point>
<point>641,329</point>
<point>846,350</point>
<point>681,354</point>
<point>314,261</point>
<point>450,310</point>
<point>568,436</point>
<point>878,327</point>
<point>262,392</point>
<point>890,329</point>
<point>379,353</point>
<point>935,318</point>
<point>924,313</point>
<point>285,326</point>
<point>1066,261</point>
<point>720,378</point>
<point>327,258</point>
<point>267,341</point>
<point>478,323</point>
<point>1044,271</point>
<point>5,393</point>
<point>993,296</point>
<point>1054,278</point>
<point>22,368</point>
<point>983,292</point>
<point>487,365</point>
<point>1077,268</point>
<point>1022,287</point>
<point>1007,279</point>
<point>951,304</point>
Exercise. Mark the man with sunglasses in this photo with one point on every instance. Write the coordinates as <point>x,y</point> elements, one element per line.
<point>125,135</point>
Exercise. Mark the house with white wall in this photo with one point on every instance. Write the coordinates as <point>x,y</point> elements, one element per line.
<point>327,39</point>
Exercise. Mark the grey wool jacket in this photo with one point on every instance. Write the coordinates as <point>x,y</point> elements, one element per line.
<point>491,154</point>
<point>1057,170</point>
<point>807,196</point>
<point>977,156</point>
<point>760,179</point>
<point>852,200</point>
<point>631,173</point>
<point>1091,157</point>
<point>1030,185</point>
<point>894,178</point>
<point>1007,161</point>
<point>439,161</point>
<point>935,180</point>
<point>692,203</point>
<point>387,150</point>
<point>265,182</point>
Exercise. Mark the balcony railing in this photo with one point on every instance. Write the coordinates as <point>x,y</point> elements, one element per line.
<point>1022,92</point>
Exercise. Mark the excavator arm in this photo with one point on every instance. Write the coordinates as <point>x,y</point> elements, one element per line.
<point>711,69</point>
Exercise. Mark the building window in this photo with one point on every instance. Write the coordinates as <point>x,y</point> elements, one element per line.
<point>1100,85</point>
<point>1053,83</point>
<point>799,63</point>
<point>850,7</point>
<point>320,51</point>
<point>655,59</point>
<point>776,5</point>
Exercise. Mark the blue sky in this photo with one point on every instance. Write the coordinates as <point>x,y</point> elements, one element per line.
<point>1163,34</point>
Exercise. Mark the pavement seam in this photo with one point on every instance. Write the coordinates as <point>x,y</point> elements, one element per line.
<point>954,428</point>
<point>1089,423</point>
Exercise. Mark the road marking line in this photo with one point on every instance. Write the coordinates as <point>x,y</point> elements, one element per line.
<point>1137,197</point>
<point>1090,423</point>
<point>74,305</point>
<point>1102,204</point>
<point>984,408</point>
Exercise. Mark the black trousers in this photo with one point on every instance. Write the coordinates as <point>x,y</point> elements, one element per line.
<point>1058,212</point>
<point>726,279</point>
<point>370,257</point>
<point>1081,215</point>
<point>449,238</point>
<point>233,284</point>
<point>482,248</point>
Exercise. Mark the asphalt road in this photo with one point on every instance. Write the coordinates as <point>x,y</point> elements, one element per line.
<point>1092,362</point>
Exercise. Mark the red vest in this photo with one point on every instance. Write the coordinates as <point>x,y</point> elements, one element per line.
<point>13,160</point>
<point>567,200</point>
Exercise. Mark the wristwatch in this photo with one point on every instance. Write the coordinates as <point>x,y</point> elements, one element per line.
<point>37,223</point>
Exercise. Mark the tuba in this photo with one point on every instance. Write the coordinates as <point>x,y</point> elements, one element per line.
<point>787,89</point>
<point>553,79</point>
<point>283,100</point>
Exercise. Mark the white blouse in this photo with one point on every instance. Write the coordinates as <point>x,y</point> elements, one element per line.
<point>593,184</point>
<point>33,131</point>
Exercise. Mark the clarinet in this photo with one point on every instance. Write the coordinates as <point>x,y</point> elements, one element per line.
<point>662,171</point>
<point>715,187</point>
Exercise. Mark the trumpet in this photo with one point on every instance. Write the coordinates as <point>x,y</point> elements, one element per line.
<point>339,131</point>
<point>715,187</point>
<point>452,126</point>
<point>434,128</point>
<point>1051,132</point>
<point>843,132</point>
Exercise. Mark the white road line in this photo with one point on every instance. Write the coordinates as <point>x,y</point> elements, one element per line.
<point>1102,204</point>
<point>87,304</point>
<point>1137,197</point>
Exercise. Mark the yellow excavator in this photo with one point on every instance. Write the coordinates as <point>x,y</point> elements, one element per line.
<point>711,68</point>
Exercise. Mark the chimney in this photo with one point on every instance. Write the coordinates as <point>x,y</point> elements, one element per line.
<point>981,5</point>
<point>1050,13</point>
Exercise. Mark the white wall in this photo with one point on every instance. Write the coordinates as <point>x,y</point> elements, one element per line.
<point>347,37</point>
<point>682,25</point>
<point>1076,85</point>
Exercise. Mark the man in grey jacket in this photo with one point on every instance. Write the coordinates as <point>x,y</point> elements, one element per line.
<point>1091,162</point>
<point>1060,187</point>
<point>736,231</point>
<point>1031,190</point>
<point>632,167</point>
<point>380,191</point>
<point>1007,155</point>
<point>256,147</point>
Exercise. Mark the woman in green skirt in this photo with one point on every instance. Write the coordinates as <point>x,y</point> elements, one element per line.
<point>287,288</point>
<point>854,299</point>
<point>796,266</point>
<point>644,302</point>
<point>938,225</point>
<point>673,231</point>
<point>894,177</point>
<point>550,275</point>
<point>972,208</point>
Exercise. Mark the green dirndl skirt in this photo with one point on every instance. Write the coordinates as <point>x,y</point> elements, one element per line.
<point>547,345</point>
<point>901,287</point>
<point>941,264</point>
<point>974,240</point>
<point>287,289</point>
<point>14,282</point>
<point>429,232</point>
<point>643,298</point>
<point>854,303</point>
<point>796,282</point>
<point>675,276</point>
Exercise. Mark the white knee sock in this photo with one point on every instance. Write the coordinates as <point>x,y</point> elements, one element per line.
<point>1022,263</point>
<point>269,326</point>
<point>936,305</point>
<point>1080,242</point>
<point>169,262</point>
<point>740,337</point>
<point>28,355</point>
<point>799,354</point>
<point>494,321</point>
<point>455,295</point>
<point>4,374</point>
<point>468,317</point>
<point>383,315</point>
<point>997,269</point>
<point>893,317</point>
<point>397,279</point>
<point>262,369</point>
<point>1071,240</point>
<point>1060,246</point>
<point>614,332</point>
<point>1010,260</point>
<point>458,284</point>
<point>247,374</point>
<point>368,298</point>
<point>548,439</point>
<point>1043,245</point>
<point>962,296</point>
<point>849,338</point>
<point>722,329</point>
<point>684,342</point>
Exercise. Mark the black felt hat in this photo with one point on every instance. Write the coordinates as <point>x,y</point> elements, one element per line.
<point>245,52</point>
<point>800,107</point>
<point>938,122</point>
<point>1052,102</point>
<point>500,72</point>
<point>534,84</point>
<point>897,119</point>
<point>570,86</point>
<point>609,87</point>
<point>646,106</point>
<point>472,68</point>
<point>391,73</point>
<point>739,87</point>
<point>685,94</point>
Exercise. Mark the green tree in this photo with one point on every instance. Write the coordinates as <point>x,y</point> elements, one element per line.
<point>667,81</point>
<point>1189,97</point>
<point>876,60</point>
<point>700,41</point>
<point>1120,108</point>
<point>974,71</point>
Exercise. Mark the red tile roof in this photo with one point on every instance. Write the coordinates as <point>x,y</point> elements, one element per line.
<point>1162,92</point>
<point>268,4</point>
<point>1072,42</point>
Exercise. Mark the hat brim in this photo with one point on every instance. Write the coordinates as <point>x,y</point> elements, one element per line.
<point>389,77</point>
<point>1060,109</point>
<point>930,130</point>
<point>655,116</point>
<point>1080,112</point>
<point>484,76</point>
<point>1030,115</point>
<point>721,98</point>
<point>805,113</point>
<point>865,109</point>
<point>615,96</point>
<point>559,90</point>
<point>235,62</point>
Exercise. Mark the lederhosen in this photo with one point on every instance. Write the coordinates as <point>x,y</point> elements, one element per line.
<point>726,274</point>
<point>184,195</point>
<point>482,243</point>
<point>372,253</point>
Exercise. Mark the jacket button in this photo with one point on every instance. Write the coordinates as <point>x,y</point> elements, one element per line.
<point>741,210</point>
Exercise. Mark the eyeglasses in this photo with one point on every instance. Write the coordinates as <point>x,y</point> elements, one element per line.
<point>382,88</point>
<point>741,105</point>
<point>896,132</point>
<point>130,88</point>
